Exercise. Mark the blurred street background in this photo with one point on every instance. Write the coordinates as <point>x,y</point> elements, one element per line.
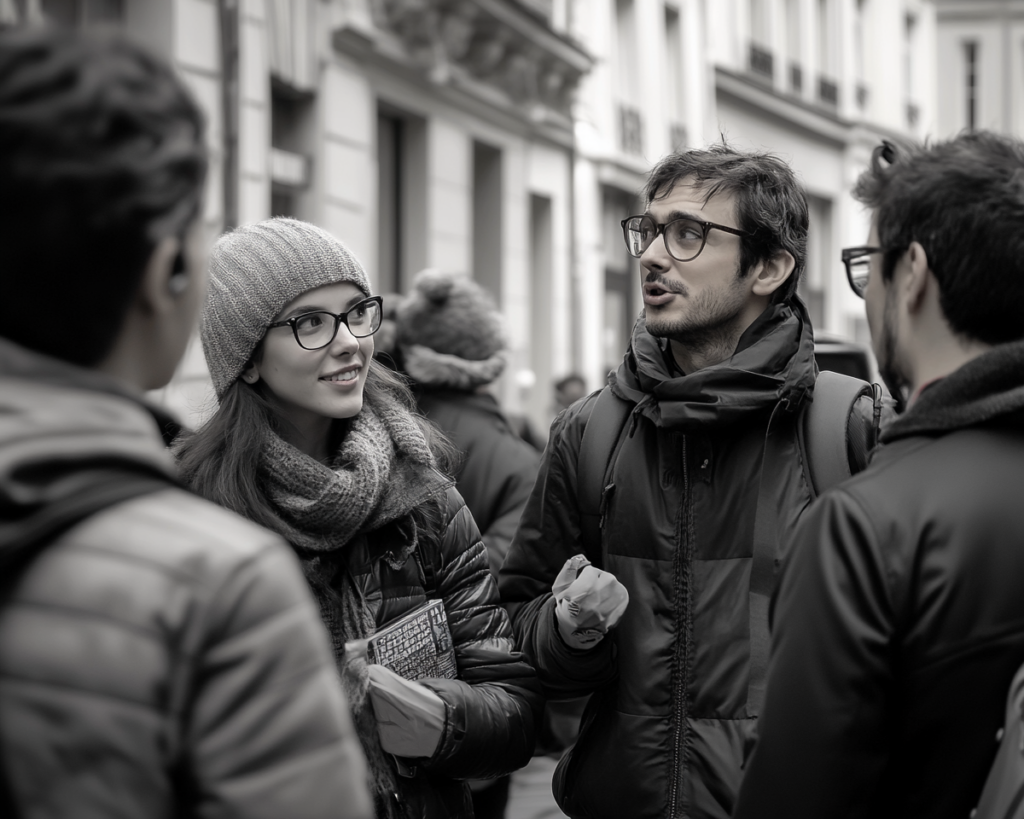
<point>506,139</point>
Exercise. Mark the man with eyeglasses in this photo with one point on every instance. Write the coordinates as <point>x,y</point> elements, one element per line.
<point>899,618</point>
<point>719,372</point>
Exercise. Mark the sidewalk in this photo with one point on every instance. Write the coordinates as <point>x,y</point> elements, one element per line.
<point>530,793</point>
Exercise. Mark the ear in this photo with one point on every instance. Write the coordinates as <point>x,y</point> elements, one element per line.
<point>251,373</point>
<point>769,276</point>
<point>915,284</point>
<point>163,280</point>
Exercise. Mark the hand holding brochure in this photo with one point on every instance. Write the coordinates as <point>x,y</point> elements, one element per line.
<point>416,646</point>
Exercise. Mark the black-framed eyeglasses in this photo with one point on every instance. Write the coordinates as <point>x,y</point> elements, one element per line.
<point>858,266</point>
<point>315,330</point>
<point>684,237</point>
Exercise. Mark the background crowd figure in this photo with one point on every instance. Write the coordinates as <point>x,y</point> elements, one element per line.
<point>724,585</point>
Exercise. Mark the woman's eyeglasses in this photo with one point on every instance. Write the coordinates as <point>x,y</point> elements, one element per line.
<point>314,331</point>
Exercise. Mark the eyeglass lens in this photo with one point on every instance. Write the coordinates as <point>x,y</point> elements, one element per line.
<point>316,330</point>
<point>684,237</point>
<point>859,269</point>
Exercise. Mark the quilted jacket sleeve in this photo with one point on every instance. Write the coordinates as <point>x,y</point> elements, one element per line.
<point>493,707</point>
<point>268,732</point>
<point>548,535</point>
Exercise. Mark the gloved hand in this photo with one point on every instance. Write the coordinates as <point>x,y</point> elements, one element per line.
<point>590,602</point>
<point>410,717</point>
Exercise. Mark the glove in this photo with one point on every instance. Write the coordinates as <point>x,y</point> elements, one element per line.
<point>590,602</point>
<point>410,717</point>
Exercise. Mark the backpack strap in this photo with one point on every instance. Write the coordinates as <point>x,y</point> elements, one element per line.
<point>825,429</point>
<point>832,405</point>
<point>600,442</point>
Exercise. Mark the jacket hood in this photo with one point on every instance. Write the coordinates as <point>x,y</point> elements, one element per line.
<point>773,364</point>
<point>986,390</point>
<point>64,432</point>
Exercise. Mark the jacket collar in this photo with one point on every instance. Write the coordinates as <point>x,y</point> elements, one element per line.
<point>773,364</point>
<point>988,389</point>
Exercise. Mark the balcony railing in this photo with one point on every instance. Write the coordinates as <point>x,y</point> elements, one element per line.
<point>762,62</point>
<point>631,129</point>
<point>828,92</point>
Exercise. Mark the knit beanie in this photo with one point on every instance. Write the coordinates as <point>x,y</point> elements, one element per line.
<point>255,270</point>
<point>450,332</point>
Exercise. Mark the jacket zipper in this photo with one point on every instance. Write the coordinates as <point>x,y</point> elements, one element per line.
<point>681,655</point>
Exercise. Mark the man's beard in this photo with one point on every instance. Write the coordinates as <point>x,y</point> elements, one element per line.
<point>889,368</point>
<point>710,322</point>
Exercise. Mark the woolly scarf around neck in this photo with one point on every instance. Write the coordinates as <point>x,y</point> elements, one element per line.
<point>382,471</point>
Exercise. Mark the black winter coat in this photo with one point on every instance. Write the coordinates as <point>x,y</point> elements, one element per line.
<point>493,706</point>
<point>899,619</point>
<point>498,468</point>
<point>665,731</point>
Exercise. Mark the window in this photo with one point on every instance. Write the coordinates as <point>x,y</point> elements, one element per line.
<point>401,198</point>
<point>291,126</point>
<point>626,51</point>
<point>793,43</point>
<point>971,84</point>
<point>487,221</point>
<point>674,65</point>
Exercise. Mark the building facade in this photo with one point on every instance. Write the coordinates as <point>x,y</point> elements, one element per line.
<point>506,139</point>
<point>980,65</point>
<point>817,82</point>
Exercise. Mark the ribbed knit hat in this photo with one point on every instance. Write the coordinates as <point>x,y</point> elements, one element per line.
<point>450,332</point>
<point>255,270</point>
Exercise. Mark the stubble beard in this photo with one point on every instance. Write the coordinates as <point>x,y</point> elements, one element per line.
<point>711,324</point>
<point>889,367</point>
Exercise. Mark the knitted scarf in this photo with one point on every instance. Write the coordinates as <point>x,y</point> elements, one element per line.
<point>381,472</point>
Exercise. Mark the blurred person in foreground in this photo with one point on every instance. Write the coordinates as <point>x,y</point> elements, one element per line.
<point>158,656</point>
<point>899,619</point>
<point>320,442</point>
<point>719,370</point>
<point>452,344</point>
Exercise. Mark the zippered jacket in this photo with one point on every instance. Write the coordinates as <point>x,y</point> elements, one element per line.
<point>162,657</point>
<point>665,730</point>
<point>898,623</point>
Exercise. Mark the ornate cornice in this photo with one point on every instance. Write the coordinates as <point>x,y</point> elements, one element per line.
<point>495,49</point>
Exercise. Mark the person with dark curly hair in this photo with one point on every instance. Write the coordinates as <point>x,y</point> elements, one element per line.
<point>159,656</point>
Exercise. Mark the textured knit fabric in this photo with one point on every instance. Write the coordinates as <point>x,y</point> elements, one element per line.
<point>452,315</point>
<point>666,726</point>
<point>899,620</point>
<point>322,508</point>
<point>163,658</point>
<point>255,270</point>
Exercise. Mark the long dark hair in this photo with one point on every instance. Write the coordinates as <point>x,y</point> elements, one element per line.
<point>220,461</point>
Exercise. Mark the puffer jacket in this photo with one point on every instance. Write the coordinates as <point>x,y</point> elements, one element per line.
<point>162,658</point>
<point>665,730</point>
<point>899,619</point>
<point>493,705</point>
<point>498,468</point>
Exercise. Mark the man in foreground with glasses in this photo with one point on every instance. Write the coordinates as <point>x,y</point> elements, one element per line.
<point>717,375</point>
<point>899,620</point>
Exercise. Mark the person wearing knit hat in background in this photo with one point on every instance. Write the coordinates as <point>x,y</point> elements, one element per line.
<point>451,343</point>
<point>319,442</point>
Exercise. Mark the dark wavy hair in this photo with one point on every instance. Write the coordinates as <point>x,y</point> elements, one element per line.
<point>963,201</point>
<point>101,157</point>
<point>220,461</point>
<point>770,204</point>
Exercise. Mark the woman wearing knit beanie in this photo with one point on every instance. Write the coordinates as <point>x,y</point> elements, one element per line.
<point>318,442</point>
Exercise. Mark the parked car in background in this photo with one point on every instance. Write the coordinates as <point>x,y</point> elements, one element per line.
<point>841,355</point>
